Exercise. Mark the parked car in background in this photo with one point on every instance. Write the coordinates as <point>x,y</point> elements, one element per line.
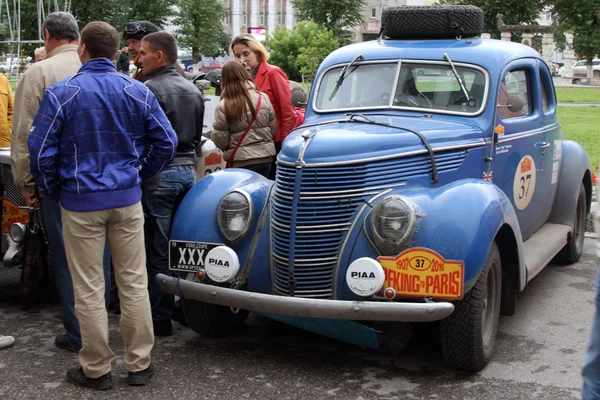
<point>209,65</point>
<point>403,198</point>
<point>580,68</point>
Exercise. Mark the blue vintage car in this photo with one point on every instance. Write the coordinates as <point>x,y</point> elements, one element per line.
<point>429,182</point>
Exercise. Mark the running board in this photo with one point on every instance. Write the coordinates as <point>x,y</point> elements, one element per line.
<point>543,245</point>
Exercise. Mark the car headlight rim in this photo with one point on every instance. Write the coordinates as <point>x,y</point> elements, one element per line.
<point>241,233</point>
<point>17,232</point>
<point>385,244</point>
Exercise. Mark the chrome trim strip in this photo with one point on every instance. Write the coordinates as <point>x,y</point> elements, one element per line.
<point>389,157</point>
<point>325,231</point>
<point>525,135</point>
<point>394,88</point>
<point>372,199</point>
<point>303,227</point>
<point>337,197</point>
<point>306,307</point>
<point>355,190</point>
<point>343,248</point>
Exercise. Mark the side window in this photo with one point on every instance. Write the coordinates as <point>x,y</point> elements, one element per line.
<point>514,92</point>
<point>548,100</point>
<point>544,97</point>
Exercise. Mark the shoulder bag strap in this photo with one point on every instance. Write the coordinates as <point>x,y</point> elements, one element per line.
<point>232,156</point>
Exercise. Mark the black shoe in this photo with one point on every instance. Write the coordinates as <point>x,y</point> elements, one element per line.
<point>62,342</point>
<point>163,327</point>
<point>140,378</point>
<point>76,376</point>
<point>178,316</point>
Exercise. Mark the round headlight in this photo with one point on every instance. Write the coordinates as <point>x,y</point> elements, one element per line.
<point>393,223</point>
<point>234,215</point>
<point>17,232</point>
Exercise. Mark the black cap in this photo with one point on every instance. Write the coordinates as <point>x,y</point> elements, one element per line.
<point>139,29</point>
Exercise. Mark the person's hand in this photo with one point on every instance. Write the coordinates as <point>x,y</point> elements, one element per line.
<point>31,201</point>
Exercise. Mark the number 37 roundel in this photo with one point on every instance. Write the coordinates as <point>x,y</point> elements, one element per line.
<point>524,183</point>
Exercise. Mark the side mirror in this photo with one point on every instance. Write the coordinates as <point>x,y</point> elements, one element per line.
<point>515,103</point>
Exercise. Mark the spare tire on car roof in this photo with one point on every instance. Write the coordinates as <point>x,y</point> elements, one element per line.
<point>432,22</point>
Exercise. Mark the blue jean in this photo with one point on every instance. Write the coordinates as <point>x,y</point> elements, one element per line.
<point>51,217</point>
<point>264,169</point>
<point>161,197</point>
<point>591,369</point>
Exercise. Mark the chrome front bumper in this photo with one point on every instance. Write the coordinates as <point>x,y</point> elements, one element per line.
<point>302,307</point>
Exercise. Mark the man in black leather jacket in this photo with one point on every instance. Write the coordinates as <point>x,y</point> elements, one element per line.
<point>183,104</point>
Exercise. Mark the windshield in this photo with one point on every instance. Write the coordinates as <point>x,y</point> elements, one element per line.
<point>430,87</point>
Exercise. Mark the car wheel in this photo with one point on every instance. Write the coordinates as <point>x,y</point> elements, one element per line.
<point>212,320</point>
<point>575,81</point>
<point>596,74</point>
<point>574,248</point>
<point>469,333</point>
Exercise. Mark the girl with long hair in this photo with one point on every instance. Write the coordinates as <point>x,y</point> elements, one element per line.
<point>244,123</point>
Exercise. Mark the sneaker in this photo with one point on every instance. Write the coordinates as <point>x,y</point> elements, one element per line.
<point>6,341</point>
<point>77,377</point>
<point>62,342</point>
<point>140,378</point>
<point>163,327</point>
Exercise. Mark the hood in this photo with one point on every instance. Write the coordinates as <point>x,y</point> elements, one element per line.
<point>333,140</point>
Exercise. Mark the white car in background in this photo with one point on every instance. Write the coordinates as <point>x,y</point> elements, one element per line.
<point>580,68</point>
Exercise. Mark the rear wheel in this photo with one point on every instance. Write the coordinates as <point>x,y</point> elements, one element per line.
<point>212,320</point>
<point>469,333</point>
<point>574,248</point>
<point>597,74</point>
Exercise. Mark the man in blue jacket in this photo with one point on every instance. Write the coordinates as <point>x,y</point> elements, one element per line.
<point>96,136</point>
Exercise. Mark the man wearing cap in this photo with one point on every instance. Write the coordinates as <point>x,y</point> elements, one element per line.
<point>133,35</point>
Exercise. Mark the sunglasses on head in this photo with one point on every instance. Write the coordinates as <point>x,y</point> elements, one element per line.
<point>134,27</point>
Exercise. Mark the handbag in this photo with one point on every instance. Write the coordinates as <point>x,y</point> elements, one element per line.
<point>237,146</point>
<point>34,270</point>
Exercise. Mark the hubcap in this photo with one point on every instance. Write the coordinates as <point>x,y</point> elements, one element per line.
<point>489,305</point>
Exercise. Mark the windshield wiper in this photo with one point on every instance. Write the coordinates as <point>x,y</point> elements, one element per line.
<point>342,75</point>
<point>458,78</point>
<point>352,116</point>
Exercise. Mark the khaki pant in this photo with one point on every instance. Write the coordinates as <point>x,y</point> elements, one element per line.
<point>85,234</point>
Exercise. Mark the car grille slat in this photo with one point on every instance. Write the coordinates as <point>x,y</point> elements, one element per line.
<point>329,198</point>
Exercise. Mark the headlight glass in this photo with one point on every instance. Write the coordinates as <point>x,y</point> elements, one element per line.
<point>17,232</point>
<point>393,224</point>
<point>235,211</point>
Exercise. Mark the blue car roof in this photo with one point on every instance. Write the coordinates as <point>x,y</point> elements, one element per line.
<point>490,54</point>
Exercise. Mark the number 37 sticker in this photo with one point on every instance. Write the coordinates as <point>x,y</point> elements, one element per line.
<point>524,183</point>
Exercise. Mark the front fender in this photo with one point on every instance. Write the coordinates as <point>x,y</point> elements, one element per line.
<point>196,217</point>
<point>574,170</point>
<point>459,221</point>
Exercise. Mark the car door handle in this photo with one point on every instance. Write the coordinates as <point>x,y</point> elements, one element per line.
<point>542,145</point>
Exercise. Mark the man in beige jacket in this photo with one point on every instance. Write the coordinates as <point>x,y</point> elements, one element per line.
<point>61,38</point>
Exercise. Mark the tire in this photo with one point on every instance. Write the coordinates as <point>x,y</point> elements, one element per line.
<point>596,74</point>
<point>469,333</point>
<point>432,22</point>
<point>211,320</point>
<point>573,250</point>
<point>575,81</point>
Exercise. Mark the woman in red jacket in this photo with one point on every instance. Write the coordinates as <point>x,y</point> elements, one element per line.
<point>270,80</point>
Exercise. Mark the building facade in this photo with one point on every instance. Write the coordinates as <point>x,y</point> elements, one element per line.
<point>268,14</point>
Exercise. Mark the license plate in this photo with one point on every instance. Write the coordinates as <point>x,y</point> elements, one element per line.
<point>188,256</point>
<point>423,272</point>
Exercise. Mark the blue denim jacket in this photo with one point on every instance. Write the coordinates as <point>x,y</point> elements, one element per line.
<point>96,136</point>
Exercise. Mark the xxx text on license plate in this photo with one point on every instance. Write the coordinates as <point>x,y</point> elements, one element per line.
<point>188,256</point>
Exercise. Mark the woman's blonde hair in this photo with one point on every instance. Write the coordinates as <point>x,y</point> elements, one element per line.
<point>235,94</point>
<point>253,44</point>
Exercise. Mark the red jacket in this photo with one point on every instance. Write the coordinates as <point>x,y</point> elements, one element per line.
<point>274,82</point>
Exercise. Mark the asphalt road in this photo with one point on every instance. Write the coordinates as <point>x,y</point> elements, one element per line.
<point>539,355</point>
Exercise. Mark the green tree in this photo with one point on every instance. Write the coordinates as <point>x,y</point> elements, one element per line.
<point>200,27</point>
<point>514,11</point>
<point>156,11</point>
<point>338,16</point>
<point>582,19</point>
<point>300,51</point>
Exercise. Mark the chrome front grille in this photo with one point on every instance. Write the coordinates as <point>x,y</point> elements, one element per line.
<point>325,207</point>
